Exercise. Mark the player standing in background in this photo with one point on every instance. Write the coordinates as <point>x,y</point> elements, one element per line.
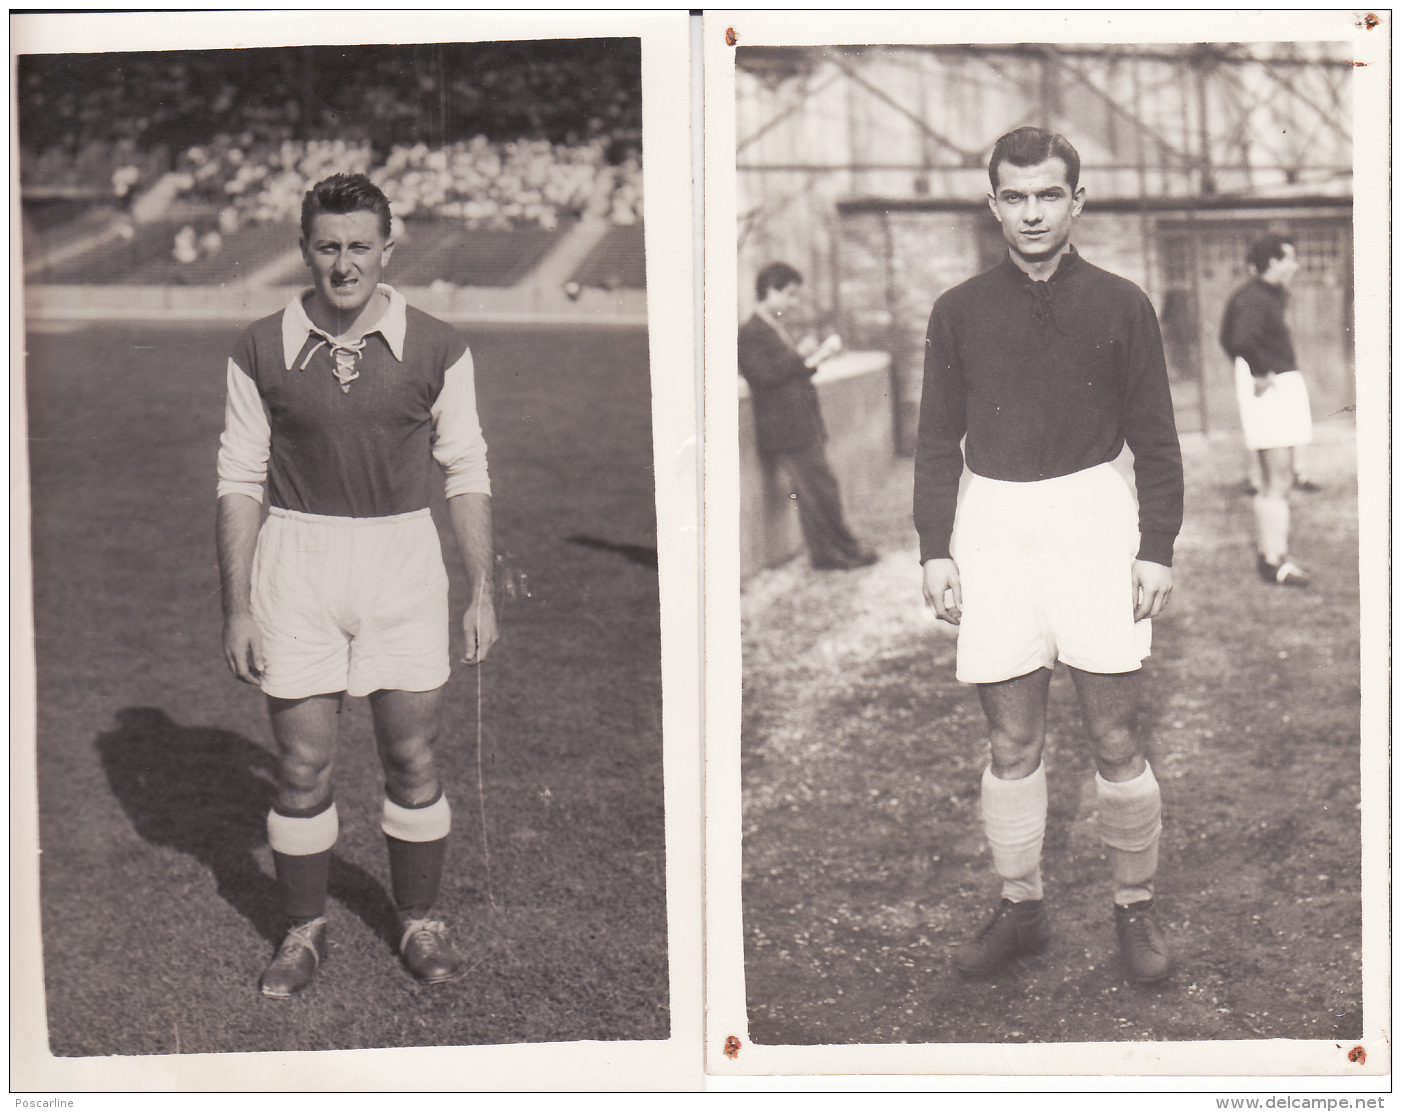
<point>788,417</point>
<point>337,408</point>
<point>1273,398</point>
<point>1049,365</point>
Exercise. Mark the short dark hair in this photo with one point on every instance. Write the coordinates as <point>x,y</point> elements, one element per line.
<point>345,193</point>
<point>775,276</point>
<point>1265,249</point>
<point>1031,146</point>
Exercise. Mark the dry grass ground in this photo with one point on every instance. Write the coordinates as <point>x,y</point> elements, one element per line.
<point>864,856</point>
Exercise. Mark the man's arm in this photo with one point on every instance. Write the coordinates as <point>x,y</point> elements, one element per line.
<point>239,518</point>
<point>1150,430</point>
<point>765,360</point>
<point>471,525</point>
<point>943,419</point>
<point>460,450</point>
<point>242,472</point>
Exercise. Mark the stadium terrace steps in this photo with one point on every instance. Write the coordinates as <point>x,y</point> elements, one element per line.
<point>616,260</point>
<point>463,275</point>
<point>441,252</point>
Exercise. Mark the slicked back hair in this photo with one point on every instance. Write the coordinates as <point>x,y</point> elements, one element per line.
<point>775,276</point>
<point>1264,250</point>
<point>1031,146</point>
<point>345,193</point>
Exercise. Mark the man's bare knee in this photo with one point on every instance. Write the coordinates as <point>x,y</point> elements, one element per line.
<point>1016,714</point>
<point>407,724</point>
<point>410,768</point>
<point>1013,761</point>
<point>1118,754</point>
<point>303,778</point>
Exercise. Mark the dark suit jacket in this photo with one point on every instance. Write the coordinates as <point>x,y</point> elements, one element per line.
<point>787,418</point>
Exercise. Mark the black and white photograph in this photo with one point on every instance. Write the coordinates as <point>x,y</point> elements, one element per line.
<point>700,550</point>
<point>360,527</point>
<point>1047,388</point>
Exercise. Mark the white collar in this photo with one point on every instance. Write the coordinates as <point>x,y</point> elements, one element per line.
<point>392,324</point>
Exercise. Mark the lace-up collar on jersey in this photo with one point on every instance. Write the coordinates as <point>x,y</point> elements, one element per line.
<point>1043,292</point>
<point>297,328</point>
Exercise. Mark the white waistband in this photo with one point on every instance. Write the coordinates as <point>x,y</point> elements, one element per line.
<point>1085,475</point>
<point>326,519</point>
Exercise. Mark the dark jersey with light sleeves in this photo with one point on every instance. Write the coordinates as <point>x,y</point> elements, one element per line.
<point>369,442</point>
<point>1045,379</point>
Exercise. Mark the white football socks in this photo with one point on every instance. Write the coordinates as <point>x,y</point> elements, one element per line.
<point>1130,823</point>
<point>1272,527</point>
<point>1014,820</point>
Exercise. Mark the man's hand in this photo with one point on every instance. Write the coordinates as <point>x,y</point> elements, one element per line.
<point>824,351</point>
<point>1263,382</point>
<point>243,648</point>
<point>943,591</point>
<point>479,627</point>
<point>1152,587</point>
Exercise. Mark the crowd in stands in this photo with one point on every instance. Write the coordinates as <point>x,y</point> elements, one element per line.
<point>484,184</point>
<point>496,135</point>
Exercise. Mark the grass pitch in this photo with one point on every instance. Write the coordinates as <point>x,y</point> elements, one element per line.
<point>154,765</point>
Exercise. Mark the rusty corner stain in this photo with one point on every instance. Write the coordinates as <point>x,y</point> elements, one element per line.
<point>730,39</point>
<point>1369,21</point>
<point>1357,1055</point>
<point>732,1044</point>
<point>1359,63</point>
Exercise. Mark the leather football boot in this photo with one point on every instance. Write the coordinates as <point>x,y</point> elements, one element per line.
<point>429,953</point>
<point>1015,928</point>
<point>1141,942</point>
<point>296,960</point>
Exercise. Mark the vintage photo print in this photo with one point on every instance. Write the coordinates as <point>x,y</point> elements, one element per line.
<point>299,303</point>
<point>1046,484</point>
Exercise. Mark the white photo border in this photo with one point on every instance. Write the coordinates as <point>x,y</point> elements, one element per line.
<point>1209,1066</point>
<point>671,264</point>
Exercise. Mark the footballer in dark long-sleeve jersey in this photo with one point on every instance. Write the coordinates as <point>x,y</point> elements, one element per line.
<point>1038,372</point>
<point>1273,399</point>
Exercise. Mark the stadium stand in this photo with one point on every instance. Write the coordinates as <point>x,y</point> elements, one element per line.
<point>175,169</point>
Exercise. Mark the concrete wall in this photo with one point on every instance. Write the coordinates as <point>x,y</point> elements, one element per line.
<point>855,391</point>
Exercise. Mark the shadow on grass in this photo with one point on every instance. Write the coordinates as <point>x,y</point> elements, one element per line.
<point>634,553</point>
<point>205,792</point>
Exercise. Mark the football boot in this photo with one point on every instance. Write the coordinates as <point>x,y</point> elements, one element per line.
<point>1016,928</point>
<point>1141,942</point>
<point>296,960</point>
<point>429,953</point>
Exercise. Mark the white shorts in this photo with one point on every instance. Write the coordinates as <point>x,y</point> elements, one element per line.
<point>350,604</point>
<point>1278,418</point>
<point>1047,574</point>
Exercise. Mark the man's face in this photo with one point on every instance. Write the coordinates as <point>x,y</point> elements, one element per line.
<point>1036,208</point>
<point>1281,270</point>
<point>780,301</point>
<point>346,253</point>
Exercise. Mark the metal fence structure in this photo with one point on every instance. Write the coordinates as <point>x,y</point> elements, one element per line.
<point>866,168</point>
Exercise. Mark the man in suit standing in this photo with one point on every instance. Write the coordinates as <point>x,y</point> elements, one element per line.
<point>788,419</point>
